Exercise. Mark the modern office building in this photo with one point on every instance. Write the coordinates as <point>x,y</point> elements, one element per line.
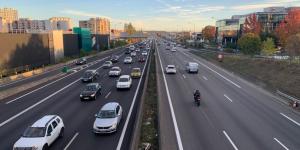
<point>96,25</point>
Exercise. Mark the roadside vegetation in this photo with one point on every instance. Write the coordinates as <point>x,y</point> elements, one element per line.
<point>149,129</point>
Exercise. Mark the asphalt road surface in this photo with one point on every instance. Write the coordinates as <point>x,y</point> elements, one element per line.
<point>234,114</point>
<point>62,98</point>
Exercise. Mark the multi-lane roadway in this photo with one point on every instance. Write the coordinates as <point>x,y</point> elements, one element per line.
<point>61,97</point>
<point>234,114</point>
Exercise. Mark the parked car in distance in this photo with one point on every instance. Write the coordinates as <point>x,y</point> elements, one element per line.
<point>171,69</point>
<point>107,64</point>
<point>136,73</point>
<point>144,53</point>
<point>90,76</point>
<point>142,59</point>
<point>114,71</point>
<point>133,54</point>
<point>91,91</point>
<point>127,60</point>
<point>124,82</point>
<point>192,67</point>
<point>41,134</point>
<point>114,59</point>
<point>108,118</point>
<point>81,61</point>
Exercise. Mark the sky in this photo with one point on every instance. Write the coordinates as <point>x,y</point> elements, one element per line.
<point>166,15</point>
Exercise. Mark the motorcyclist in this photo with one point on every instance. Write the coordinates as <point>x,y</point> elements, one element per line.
<point>196,94</point>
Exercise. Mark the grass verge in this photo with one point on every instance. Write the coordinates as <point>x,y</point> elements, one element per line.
<point>149,129</point>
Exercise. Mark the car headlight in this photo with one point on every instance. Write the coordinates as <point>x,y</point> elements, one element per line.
<point>93,95</point>
<point>34,147</point>
<point>80,95</point>
<point>114,126</point>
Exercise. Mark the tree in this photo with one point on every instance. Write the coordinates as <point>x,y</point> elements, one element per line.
<point>293,45</point>
<point>252,25</point>
<point>268,47</point>
<point>289,26</point>
<point>129,28</point>
<point>250,44</point>
<point>209,33</point>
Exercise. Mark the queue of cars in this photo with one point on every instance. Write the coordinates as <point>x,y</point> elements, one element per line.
<point>41,134</point>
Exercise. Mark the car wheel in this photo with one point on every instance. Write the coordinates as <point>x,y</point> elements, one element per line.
<point>45,147</point>
<point>61,133</point>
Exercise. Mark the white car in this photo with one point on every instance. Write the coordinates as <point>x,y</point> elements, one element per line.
<point>144,53</point>
<point>41,134</point>
<point>171,69</point>
<point>192,67</point>
<point>173,49</point>
<point>131,47</point>
<point>133,54</point>
<point>124,82</point>
<point>107,64</point>
<point>108,118</point>
<point>137,50</point>
<point>115,71</point>
<point>127,60</point>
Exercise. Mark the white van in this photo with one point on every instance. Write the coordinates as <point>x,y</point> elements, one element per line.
<point>192,67</point>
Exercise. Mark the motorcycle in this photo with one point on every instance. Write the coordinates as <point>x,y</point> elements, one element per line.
<point>197,100</point>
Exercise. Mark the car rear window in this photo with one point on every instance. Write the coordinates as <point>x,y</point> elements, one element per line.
<point>123,80</point>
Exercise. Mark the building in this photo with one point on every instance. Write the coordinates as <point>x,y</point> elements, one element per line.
<point>3,25</point>
<point>115,34</point>
<point>96,25</point>
<point>228,30</point>
<point>7,16</point>
<point>26,25</point>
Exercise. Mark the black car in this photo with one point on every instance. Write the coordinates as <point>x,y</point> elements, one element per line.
<point>114,59</point>
<point>81,61</point>
<point>91,91</point>
<point>90,76</point>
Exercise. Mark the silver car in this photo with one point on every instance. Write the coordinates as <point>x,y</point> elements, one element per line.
<point>108,118</point>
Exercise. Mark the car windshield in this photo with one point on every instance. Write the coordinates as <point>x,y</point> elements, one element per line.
<point>34,132</point>
<point>115,69</point>
<point>171,67</point>
<point>107,63</point>
<point>90,88</point>
<point>135,70</point>
<point>87,74</point>
<point>123,80</point>
<point>106,114</point>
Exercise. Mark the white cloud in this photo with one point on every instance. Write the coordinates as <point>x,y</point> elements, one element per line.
<point>269,3</point>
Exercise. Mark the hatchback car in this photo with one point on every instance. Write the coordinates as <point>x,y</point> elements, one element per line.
<point>124,82</point>
<point>171,69</point>
<point>107,64</point>
<point>108,118</point>
<point>136,73</point>
<point>81,61</point>
<point>41,134</point>
<point>91,91</point>
<point>114,71</point>
<point>90,76</point>
<point>127,60</point>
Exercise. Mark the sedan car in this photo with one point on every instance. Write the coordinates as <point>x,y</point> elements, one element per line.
<point>136,73</point>
<point>107,64</point>
<point>108,118</point>
<point>133,54</point>
<point>127,60</point>
<point>137,49</point>
<point>171,69</point>
<point>90,76</point>
<point>114,59</point>
<point>41,134</point>
<point>142,59</point>
<point>144,53</point>
<point>124,82</point>
<point>81,61</point>
<point>91,91</point>
<point>115,71</point>
<point>173,49</point>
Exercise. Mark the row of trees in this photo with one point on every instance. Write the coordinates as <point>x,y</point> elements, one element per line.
<point>286,35</point>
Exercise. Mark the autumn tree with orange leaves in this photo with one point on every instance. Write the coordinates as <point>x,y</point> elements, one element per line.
<point>289,26</point>
<point>209,33</point>
<point>252,25</point>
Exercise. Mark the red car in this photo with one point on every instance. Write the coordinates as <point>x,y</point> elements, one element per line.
<point>142,59</point>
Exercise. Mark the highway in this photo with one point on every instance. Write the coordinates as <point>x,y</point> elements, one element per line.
<point>234,114</point>
<point>61,97</point>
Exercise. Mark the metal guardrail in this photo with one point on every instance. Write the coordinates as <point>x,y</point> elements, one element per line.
<point>287,96</point>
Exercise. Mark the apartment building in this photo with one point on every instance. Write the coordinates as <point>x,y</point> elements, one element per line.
<point>96,25</point>
<point>7,16</point>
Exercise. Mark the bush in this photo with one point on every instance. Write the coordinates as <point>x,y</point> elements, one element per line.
<point>250,44</point>
<point>268,47</point>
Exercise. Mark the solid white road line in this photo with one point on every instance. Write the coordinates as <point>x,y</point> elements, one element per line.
<point>179,142</point>
<point>39,102</point>
<point>107,94</point>
<point>183,76</point>
<point>43,86</point>
<point>73,138</point>
<point>131,109</point>
<point>227,97</point>
<point>204,78</point>
<point>229,139</point>
<point>297,123</point>
<point>36,104</point>
<point>281,144</point>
